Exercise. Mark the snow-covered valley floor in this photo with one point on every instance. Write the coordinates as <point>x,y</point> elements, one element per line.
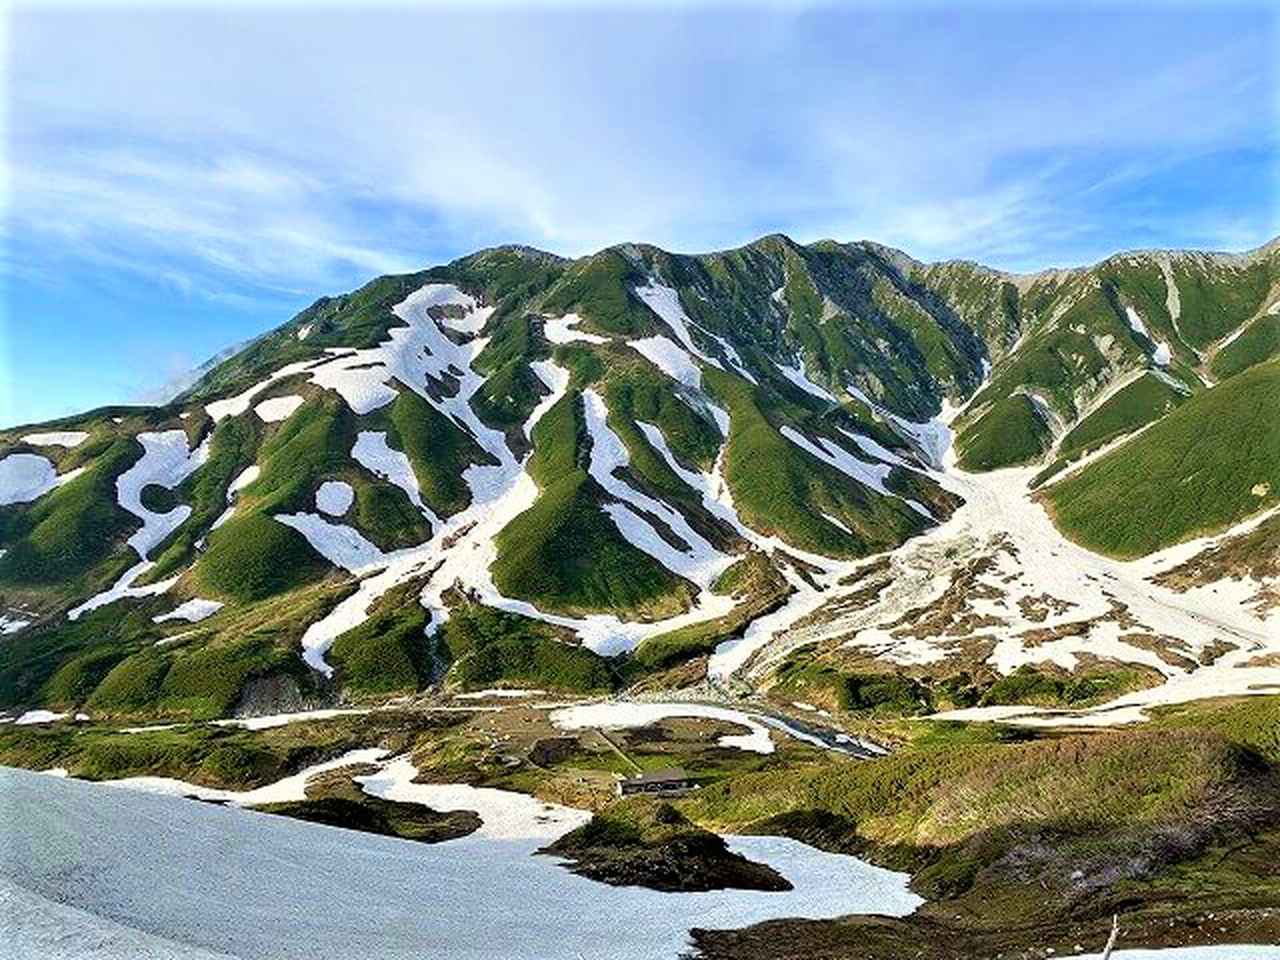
<point>999,584</point>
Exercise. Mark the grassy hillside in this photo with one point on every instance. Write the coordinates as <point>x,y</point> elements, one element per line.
<point>1260,341</point>
<point>565,553</point>
<point>1146,399</point>
<point>779,488</point>
<point>1211,463</point>
<point>493,648</point>
<point>1011,433</point>
<point>62,536</point>
<point>389,654</point>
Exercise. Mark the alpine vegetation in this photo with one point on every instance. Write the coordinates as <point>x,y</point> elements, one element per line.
<point>640,461</point>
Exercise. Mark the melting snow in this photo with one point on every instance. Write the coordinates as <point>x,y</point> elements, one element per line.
<point>373,453</point>
<point>123,588</point>
<point>932,437</point>
<point>556,379</point>
<point>462,549</point>
<point>246,476</point>
<point>39,716</point>
<point>621,714</point>
<point>701,562</point>
<point>504,814</point>
<point>10,624</point>
<point>474,316</point>
<point>343,893</point>
<point>498,692</point>
<point>278,408</point>
<point>334,497</point>
<point>1161,354</point>
<point>836,522</point>
<point>873,448</point>
<point>731,655</point>
<point>797,376</point>
<point>560,330</point>
<point>57,438</point>
<point>341,545</point>
<point>872,475</point>
<point>670,358</point>
<point>166,462</point>
<point>271,721</point>
<point>193,611</point>
<point>665,302</point>
<point>27,476</point>
<point>289,790</point>
<point>412,354</point>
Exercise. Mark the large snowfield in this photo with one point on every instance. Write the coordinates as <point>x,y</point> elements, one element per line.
<point>195,880</point>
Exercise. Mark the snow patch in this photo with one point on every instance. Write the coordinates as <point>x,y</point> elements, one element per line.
<point>556,379</point>
<point>193,611</point>
<point>335,497</point>
<point>372,452</point>
<point>124,589</point>
<point>39,716</point>
<point>341,545</point>
<point>504,814</point>
<point>931,437</point>
<point>872,475</point>
<point>271,721</point>
<point>560,330</point>
<point>27,476</point>
<point>797,376</point>
<point>670,358</point>
<point>278,408</point>
<point>701,562</point>
<point>246,476</point>
<point>166,462</point>
<point>10,624</point>
<point>57,438</point>
<point>291,789</point>
<point>836,522</point>
<point>499,693</point>
<point>1161,355</point>
<point>474,316</point>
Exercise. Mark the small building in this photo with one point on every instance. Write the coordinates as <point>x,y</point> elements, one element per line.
<point>663,783</point>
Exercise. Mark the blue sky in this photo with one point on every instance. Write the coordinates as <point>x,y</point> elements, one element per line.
<point>177,179</point>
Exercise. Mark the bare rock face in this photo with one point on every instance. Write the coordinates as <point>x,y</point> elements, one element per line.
<point>277,693</point>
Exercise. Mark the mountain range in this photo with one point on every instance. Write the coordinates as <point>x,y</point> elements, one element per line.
<point>828,474</point>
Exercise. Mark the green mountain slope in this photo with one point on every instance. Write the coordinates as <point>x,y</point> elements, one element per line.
<point>518,467</point>
<point>1208,465</point>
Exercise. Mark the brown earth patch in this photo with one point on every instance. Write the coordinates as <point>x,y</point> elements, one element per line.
<point>1172,651</point>
<point>1039,609</point>
<point>1213,651</point>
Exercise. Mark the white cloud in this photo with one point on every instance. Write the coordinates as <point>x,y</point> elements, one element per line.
<point>290,151</point>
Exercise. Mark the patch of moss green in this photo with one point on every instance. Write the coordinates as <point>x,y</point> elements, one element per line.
<point>492,647</point>
<point>1212,462</point>
<point>1259,342</point>
<point>1146,399</point>
<point>1012,432</point>
<point>565,553</point>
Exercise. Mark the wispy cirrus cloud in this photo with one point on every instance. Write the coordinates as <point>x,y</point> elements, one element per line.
<point>235,163</point>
